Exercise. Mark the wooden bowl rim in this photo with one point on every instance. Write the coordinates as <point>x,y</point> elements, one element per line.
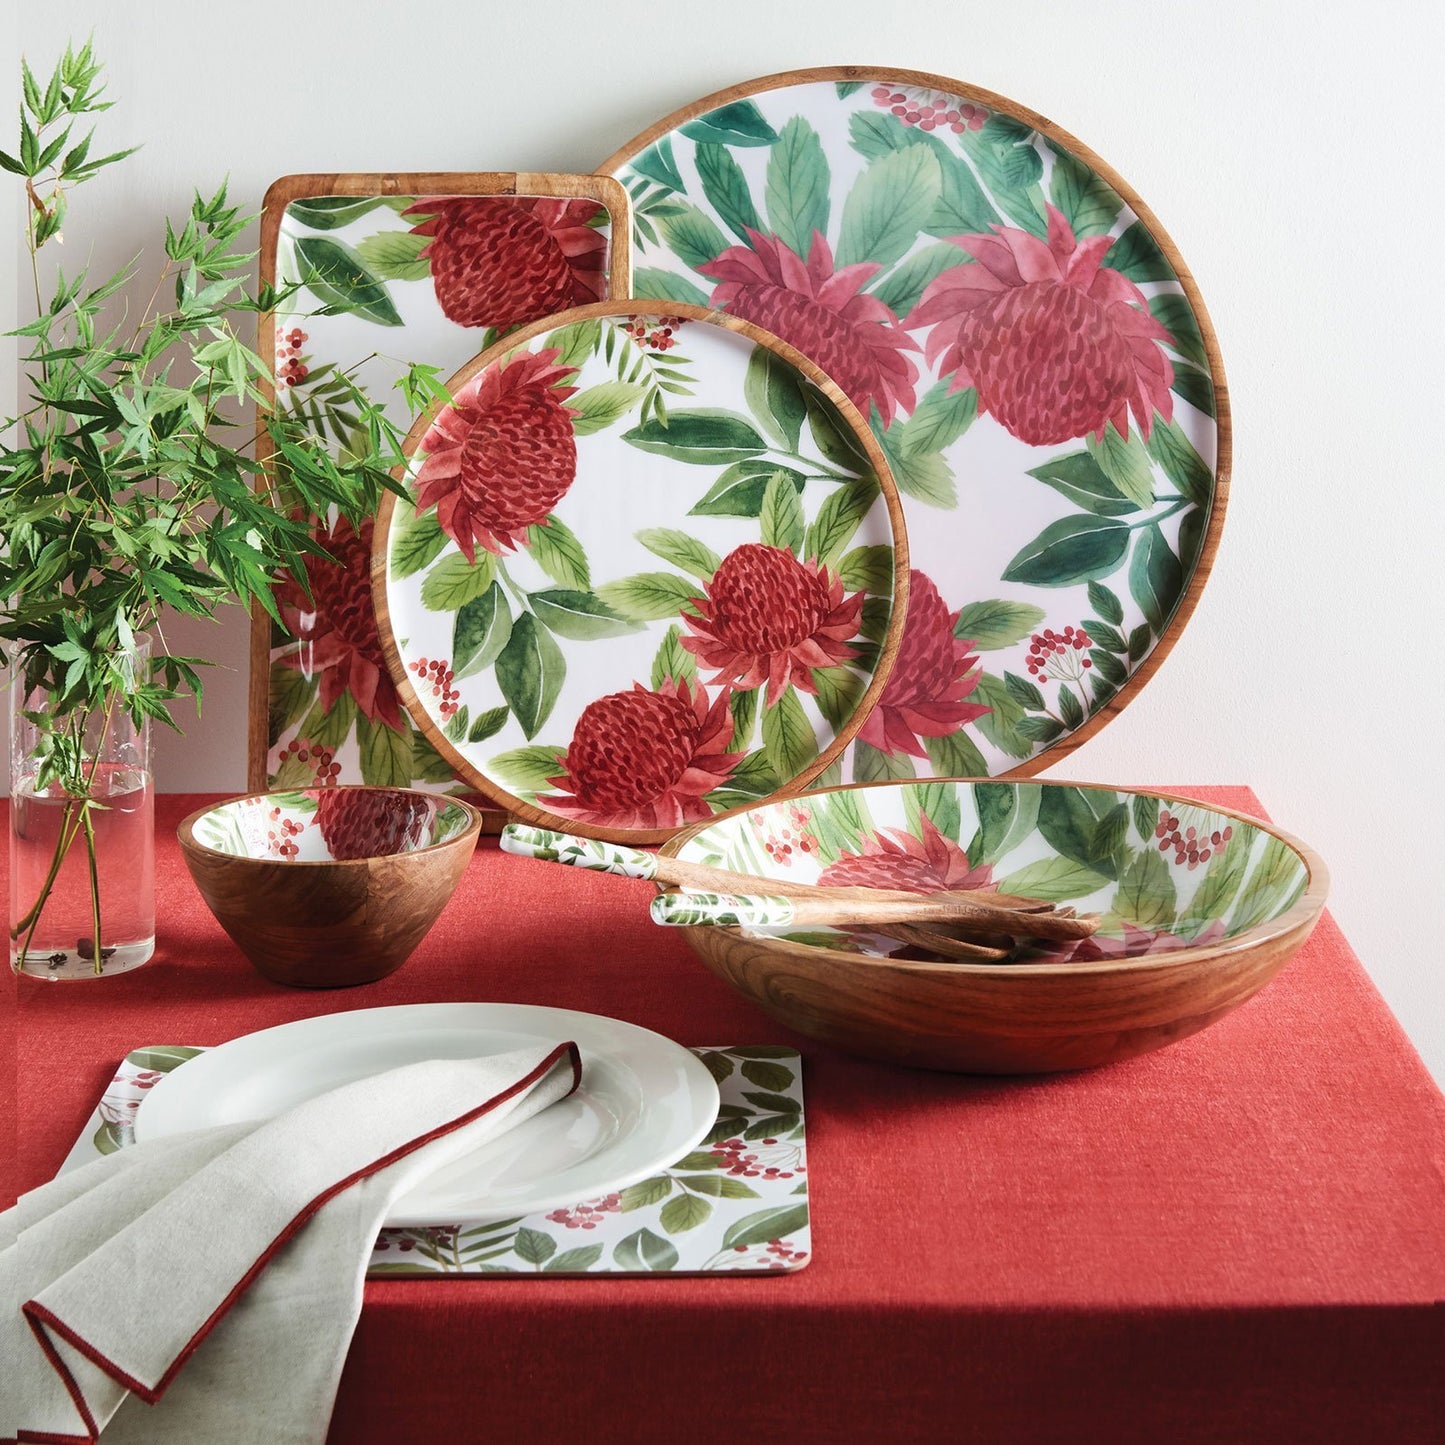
<point>186,829</point>
<point>1302,914</point>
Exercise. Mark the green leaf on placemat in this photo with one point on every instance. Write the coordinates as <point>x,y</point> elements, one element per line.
<point>646,1192</point>
<point>766,1225</point>
<point>574,1261</point>
<point>645,1253</point>
<point>160,1058</point>
<point>106,1139</point>
<point>766,1076</point>
<point>684,1212</point>
<point>534,1246</point>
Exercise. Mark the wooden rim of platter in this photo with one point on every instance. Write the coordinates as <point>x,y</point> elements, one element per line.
<point>608,193</point>
<point>1219,498</point>
<point>186,828</point>
<point>519,808</point>
<point>1297,920</point>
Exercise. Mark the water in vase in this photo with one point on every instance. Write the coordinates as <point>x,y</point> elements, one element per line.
<point>62,945</point>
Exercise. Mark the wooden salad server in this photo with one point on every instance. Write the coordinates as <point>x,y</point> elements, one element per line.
<point>690,909</point>
<point>554,847</point>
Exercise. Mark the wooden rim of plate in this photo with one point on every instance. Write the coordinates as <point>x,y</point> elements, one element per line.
<point>530,812</point>
<point>1300,917</point>
<point>1049,754</point>
<point>607,192</point>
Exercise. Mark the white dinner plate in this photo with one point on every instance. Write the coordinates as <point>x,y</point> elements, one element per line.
<point>643,1102</point>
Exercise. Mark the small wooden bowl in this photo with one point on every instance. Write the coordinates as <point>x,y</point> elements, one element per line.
<point>1181,946</point>
<point>328,887</point>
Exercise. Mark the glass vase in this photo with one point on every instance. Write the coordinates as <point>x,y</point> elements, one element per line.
<point>82,851</point>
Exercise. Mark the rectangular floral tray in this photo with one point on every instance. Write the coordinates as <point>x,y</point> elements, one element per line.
<point>409,268</point>
<point>737,1204</point>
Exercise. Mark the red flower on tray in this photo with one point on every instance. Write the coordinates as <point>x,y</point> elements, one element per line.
<point>645,759</point>
<point>501,261</point>
<point>336,626</point>
<point>502,455</point>
<point>769,618</point>
<point>1057,344</point>
<point>927,692</point>
<point>895,858</point>
<point>854,337</point>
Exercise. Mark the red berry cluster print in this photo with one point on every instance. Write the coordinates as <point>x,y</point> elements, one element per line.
<point>1059,656</point>
<point>434,680</point>
<point>928,110</point>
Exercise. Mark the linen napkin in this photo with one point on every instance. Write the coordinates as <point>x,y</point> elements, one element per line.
<point>205,1286</point>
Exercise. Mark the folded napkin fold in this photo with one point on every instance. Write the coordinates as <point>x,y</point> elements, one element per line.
<point>204,1287</point>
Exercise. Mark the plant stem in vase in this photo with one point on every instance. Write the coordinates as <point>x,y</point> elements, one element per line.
<point>82,844</point>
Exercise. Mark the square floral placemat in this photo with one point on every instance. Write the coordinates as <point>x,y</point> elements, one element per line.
<point>738,1203</point>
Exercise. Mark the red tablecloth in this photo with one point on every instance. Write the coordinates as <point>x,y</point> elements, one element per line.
<point>1241,1237</point>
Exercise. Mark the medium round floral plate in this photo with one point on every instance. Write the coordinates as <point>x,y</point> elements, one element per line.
<point>645,570</point>
<point>1030,351</point>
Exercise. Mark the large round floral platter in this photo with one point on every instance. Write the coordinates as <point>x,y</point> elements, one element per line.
<point>1030,351</point>
<point>649,566</point>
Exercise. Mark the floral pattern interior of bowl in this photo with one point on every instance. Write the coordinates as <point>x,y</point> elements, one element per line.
<point>327,825</point>
<point>1163,874</point>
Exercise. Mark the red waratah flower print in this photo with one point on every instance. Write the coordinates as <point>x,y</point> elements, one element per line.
<point>367,823</point>
<point>502,455</point>
<point>499,261</point>
<point>896,859</point>
<point>933,675</point>
<point>855,338</point>
<point>644,759</point>
<point>768,617</point>
<point>336,626</point>
<point>1057,344</point>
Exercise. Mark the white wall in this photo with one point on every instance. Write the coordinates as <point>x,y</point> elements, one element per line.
<point>1292,149</point>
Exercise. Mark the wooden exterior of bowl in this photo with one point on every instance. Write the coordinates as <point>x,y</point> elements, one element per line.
<point>329,924</point>
<point>1009,1018</point>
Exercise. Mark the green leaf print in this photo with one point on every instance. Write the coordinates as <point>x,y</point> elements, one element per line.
<point>338,277</point>
<point>416,544</point>
<point>1106,604</point>
<point>1136,255</point>
<point>691,235</point>
<point>1194,386</point>
<point>1156,579</point>
<point>683,551</point>
<point>797,186</point>
<point>574,1261</point>
<point>781,518</point>
<point>555,548</point>
<point>996,624</point>
<point>652,283</point>
<point>775,396</point>
<point>480,632</point>
<point>657,164</point>
<point>683,1212</point>
<point>527,770</point>
<point>888,206</point>
<point>1084,482</point>
<point>1175,453</point>
<point>1174,313</point>
<point>1071,550</point>
<point>705,436</point>
<point>396,255</point>
<point>739,124</point>
<point>386,759</point>
<point>649,596</point>
<point>673,661</point>
<point>901,288</point>
<point>767,1225</point>
<point>601,405</point>
<point>582,616</point>
<point>940,418</point>
<point>533,1246</point>
<point>738,492</point>
<point>1125,462</point>
<point>1089,203</point>
<point>1146,895</point>
<point>455,581</point>
<point>529,672</point>
<point>955,755</point>
<point>788,737</point>
<point>726,188</point>
<point>330,213</point>
<point>1056,880</point>
<point>645,1253</point>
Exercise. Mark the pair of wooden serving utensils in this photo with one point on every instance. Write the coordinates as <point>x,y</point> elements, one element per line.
<point>973,925</point>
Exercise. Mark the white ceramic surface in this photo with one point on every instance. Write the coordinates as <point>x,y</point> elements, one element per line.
<point>643,1102</point>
